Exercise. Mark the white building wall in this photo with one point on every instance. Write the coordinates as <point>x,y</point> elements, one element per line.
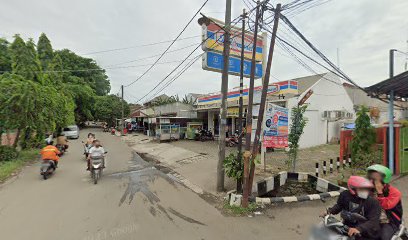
<point>328,95</point>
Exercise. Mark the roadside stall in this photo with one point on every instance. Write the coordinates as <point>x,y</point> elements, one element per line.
<point>167,131</point>
<point>192,128</point>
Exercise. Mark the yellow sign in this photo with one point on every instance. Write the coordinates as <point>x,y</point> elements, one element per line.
<point>213,35</point>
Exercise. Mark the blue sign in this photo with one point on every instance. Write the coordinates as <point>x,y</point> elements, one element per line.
<point>215,61</point>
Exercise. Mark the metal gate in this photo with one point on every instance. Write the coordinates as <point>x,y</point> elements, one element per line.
<point>404,150</point>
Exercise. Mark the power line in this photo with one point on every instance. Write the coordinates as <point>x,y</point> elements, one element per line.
<point>171,44</point>
<point>152,56</point>
<point>142,45</point>
<point>96,69</point>
<point>189,65</point>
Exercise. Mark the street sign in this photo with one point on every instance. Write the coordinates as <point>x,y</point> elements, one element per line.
<point>214,61</point>
<point>213,35</point>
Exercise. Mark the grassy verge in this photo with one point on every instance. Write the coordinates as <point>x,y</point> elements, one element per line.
<point>240,211</point>
<point>10,167</point>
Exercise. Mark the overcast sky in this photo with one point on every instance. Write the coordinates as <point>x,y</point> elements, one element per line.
<point>362,30</point>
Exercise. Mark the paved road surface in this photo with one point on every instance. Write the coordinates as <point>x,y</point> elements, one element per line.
<point>132,201</point>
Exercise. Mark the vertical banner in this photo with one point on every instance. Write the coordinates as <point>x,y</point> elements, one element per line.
<point>275,127</point>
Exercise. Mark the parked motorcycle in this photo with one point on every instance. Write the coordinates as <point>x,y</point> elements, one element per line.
<point>332,228</point>
<point>204,135</point>
<point>232,141</point>
<point>47,168</point>
<point>96,168</point>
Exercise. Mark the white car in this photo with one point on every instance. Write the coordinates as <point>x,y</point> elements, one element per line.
<point>71,131</point>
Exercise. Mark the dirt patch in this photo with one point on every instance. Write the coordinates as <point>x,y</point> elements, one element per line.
<point>293,188</point>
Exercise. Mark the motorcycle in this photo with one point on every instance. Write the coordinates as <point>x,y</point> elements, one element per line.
<point>47,168</point>
<point>333,229</point>
<point>204,135</point>
<point>96,168</point>
<point>232,141</point>
<point>105,129</point>
<point>87,147</point>
<point>60,148</point>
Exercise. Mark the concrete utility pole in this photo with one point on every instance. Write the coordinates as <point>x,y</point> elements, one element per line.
<point>263,96</point>
<point>249,111</point>
<point>224,92</point>
<point>252,82</point>
<point>123,114</point>
<point>241,101</point>
<point>391,117</point>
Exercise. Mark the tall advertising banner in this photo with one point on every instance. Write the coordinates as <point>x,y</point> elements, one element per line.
<point>276,128</point>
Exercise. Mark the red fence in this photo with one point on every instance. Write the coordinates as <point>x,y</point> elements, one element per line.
<point>347,135</point>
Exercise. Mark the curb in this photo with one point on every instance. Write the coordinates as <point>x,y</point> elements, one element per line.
<point>301,198</point>
<point>326,188</point>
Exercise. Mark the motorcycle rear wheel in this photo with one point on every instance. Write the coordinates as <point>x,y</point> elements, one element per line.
<point>96,176</point>
<point>44,176</point>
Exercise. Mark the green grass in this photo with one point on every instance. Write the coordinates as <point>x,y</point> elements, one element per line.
<point>10,167</point>
<point>238,210</point>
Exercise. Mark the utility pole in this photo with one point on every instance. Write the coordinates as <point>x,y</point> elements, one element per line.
<point>263,96</point>
<point>241,101</point>
<point>123,114</point>
<point>224,92</point>
<point>246,191</point>
<point>391,117</point>
<point>252,82</point>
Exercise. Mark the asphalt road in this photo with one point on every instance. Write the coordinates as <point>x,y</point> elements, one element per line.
<point>133,200</point>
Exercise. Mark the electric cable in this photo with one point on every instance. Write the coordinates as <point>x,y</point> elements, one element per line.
<point>171,44</point>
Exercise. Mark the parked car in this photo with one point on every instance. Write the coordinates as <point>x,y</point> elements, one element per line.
<point>71,131</point>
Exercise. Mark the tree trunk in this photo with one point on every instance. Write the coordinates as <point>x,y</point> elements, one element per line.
<point>17,138</point>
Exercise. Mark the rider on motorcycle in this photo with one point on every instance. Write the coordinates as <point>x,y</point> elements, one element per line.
<point>50,152</point>
<point>62,140</point>
<point>96,151</point>
<point>357,199</point>
<point>389,198</point>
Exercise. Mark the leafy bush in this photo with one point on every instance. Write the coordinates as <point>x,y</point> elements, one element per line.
<point>232,166</point>
<point>297,126</point>
<point>7,153</point>
<point>363,142</point>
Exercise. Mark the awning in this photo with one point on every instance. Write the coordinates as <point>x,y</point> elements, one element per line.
<point>398,84</point>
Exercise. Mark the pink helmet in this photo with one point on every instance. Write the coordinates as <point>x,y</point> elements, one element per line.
<point>355,182</point>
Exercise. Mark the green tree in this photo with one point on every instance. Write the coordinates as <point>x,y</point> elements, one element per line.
<point>24,59</point>
<point>297,126</point>
<point>109,108</point>
<point>5,58</point>
<point>94,75</point>
<point>190,100</point>
<point>84,99</point>
<point>31,107</point>
<point>363,139</point>
<point>55,74</point>
<point>45,52</point>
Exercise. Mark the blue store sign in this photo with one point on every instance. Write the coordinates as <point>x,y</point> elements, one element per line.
<point>214,62</point>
